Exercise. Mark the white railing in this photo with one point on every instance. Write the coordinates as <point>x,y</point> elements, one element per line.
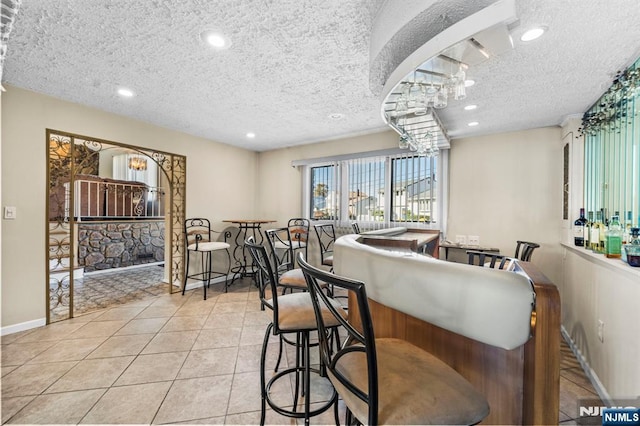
<point>104,198</point>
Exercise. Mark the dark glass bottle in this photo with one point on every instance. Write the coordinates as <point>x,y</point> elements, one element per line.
<point>579,229</point>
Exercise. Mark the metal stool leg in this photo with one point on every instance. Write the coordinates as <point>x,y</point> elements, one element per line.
<point>263,385</point>
<point>186,274</point>
<point>204,285</point>
<point>307,377</point>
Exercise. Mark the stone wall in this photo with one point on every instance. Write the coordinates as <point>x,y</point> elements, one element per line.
<point>106,245</point>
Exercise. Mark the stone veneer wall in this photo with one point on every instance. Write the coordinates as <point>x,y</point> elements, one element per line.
<point>106,245</point>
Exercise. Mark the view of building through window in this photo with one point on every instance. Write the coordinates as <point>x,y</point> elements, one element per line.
<point>375,189</point>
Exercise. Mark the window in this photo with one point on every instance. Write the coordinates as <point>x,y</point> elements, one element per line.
<point>324,195</point>
<point>377,190</point>
<point>414,189</point>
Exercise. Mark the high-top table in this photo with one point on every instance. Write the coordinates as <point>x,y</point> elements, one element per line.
<point>417,240</point>
<point>246,227</point>
<point>446,245</point>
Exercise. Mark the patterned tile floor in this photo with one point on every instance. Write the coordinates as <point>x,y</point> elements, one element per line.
<point>104,289</point>
<point>168,359</point>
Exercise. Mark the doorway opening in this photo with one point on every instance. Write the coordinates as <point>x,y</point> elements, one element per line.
<point>110,206</point>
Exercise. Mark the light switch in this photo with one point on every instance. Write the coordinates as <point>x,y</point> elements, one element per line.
<point>9,212</point>
<point>474,240</point>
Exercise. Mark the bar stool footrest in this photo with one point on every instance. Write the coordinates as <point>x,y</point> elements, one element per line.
<point>297,414</point>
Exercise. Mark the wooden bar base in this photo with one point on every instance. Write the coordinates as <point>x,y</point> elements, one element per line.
<point>522,385</point>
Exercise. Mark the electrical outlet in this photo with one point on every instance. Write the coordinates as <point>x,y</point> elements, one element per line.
<point>601,330</point>
<point>9,212</point>
<point>461,239</point>
<point>474,240</point>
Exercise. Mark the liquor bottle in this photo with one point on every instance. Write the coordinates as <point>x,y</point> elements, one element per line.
<point>626,237</point>
<point>594,237</point>
<point>613,238</point>
<point>587,239</point>
<point>601,232</point>
<point>579,229</point>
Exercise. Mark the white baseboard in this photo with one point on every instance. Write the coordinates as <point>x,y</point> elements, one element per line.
<point>198,284</point>
<point>123,268</point>
<point>591,375</point>
<point>10,329</point>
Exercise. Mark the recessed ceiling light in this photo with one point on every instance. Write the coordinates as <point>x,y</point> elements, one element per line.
<point>251,135</point>
<point>469,83</point>
<point>532,34</point>
<point>125,93</point>
<point>470,107</point>
<point>336,116</point>
<point>215,39</point>
<point>473,123</point>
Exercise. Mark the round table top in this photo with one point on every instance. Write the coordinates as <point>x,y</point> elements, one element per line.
<point>243,221</point>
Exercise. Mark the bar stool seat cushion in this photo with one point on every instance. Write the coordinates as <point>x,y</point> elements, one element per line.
<point>415,387</point>
<point>209,246</point>
<point>295,312</point>
<point>284,246</point>
<point>295,278</point>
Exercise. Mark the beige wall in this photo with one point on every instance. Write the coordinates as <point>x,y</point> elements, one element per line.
<point>220,183</point>
<point>508,187</point>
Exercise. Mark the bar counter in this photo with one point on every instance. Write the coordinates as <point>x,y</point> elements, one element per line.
<point>463,315</point>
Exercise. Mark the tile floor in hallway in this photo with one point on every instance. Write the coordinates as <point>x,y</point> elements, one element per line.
<point>98,290</point>
<point>167,359</point>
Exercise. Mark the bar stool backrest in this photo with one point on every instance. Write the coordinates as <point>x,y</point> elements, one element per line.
<point>355,342</point>
<point>326,237</point>
<point>197,230</point>
<point>490,260</point>
<point>299,230</point>
<point>280,244</point>
<point>265,277</point>
<point>524,250</point>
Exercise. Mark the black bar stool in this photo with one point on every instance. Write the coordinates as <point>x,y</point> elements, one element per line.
<point>200,239</point>
<point>293,313</point>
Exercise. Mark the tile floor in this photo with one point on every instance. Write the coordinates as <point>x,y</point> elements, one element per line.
<point>99,290</point>
<point>165,359</point>
<point>168,359</point>
<point>574,387</point>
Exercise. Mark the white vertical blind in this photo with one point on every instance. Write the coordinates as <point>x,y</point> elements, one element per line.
<point>377,191</point>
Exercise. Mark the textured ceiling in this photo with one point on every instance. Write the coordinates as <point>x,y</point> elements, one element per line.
<point>294,62</point>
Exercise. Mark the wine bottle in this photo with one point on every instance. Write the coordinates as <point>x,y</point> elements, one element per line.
<point>626,237</point>
<point>579,228</point>
<point>602,232</point>
<point>594,237</point>
<point>587,238</point>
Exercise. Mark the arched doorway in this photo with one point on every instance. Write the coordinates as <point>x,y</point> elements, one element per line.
<point>81,189</point>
